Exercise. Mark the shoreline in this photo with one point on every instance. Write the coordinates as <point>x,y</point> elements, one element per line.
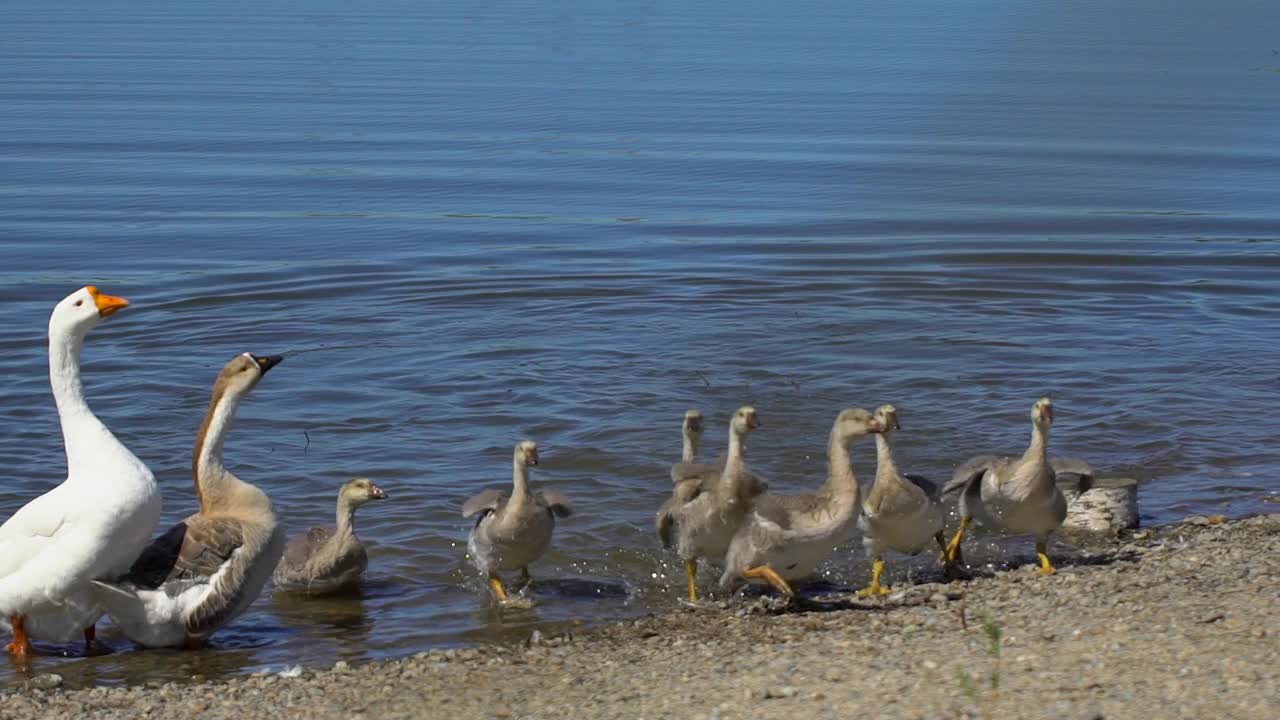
<point>1181,620</point>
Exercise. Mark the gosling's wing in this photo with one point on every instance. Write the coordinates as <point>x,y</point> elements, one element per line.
<point>555,502</point>
<point>484,503</point>
<point>969,472</point>
<point>929,487</point>
<point>1073,472</point>
<point>302,548</point>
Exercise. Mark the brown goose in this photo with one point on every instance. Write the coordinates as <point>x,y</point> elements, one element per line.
<point>207,569</point>
<point>1016,495</point>
<point>328,559</point>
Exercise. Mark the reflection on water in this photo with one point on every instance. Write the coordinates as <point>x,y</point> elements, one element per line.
<point>469,225</point>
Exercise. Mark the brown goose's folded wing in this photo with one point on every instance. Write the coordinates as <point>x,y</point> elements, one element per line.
<point>193,548</point>
<point>243,546</point>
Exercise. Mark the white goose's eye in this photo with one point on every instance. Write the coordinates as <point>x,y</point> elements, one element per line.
<point>79,303</point>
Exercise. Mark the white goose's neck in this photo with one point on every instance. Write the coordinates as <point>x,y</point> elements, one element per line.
<point>886,468</point>
<point>83,434</point>
<point>840,479</point>
<point>215,485</point>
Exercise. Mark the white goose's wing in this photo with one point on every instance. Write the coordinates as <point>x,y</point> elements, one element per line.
<point>34,529</point>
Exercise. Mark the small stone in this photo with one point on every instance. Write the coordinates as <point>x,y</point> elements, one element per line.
<point>341,666</point>
<point>536,638</point>
<point>786,691</point>
<point>46,681</point>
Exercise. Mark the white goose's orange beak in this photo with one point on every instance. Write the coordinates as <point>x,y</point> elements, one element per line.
<point>108,305</point>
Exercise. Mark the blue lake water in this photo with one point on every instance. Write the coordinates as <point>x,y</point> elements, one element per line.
<point>466,224</point>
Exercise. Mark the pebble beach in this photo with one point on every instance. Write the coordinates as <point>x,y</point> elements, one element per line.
<point>1178,621</point>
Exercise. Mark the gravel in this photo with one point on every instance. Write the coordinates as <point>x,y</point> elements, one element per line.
<point>1172,622</point>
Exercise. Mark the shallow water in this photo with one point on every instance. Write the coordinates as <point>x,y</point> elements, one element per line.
<point>467,225</point>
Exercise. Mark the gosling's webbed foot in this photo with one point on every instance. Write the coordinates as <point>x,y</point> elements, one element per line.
<point>875,589</point>
<point>1042,549</point>
<point>519,602</point>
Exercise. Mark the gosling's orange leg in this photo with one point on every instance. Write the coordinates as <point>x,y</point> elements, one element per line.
<point>941,539</point>
<point>495,583</point>
<point>21,644</point>
<point>1046,567</point>
<point>874,588</point>
<point>953,550</point>
<point>766,573</point>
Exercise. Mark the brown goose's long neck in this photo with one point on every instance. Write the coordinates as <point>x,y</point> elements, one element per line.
<point>214,484</point>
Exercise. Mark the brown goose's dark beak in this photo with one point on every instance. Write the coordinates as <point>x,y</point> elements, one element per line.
<point>376,493</point>
<point>266,362</point>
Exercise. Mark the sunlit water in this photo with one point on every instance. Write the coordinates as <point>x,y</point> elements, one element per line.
<point>467,224</point>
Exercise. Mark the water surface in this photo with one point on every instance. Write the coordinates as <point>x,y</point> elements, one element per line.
<point>468,224</point>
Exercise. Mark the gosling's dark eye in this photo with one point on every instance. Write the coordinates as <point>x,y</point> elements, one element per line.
<point>79,303</point>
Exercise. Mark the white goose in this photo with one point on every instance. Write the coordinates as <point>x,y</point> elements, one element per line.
<point>207,569</point>
<point>94,523</point>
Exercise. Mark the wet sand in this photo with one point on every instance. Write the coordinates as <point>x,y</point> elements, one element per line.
<point>1177,621</point>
